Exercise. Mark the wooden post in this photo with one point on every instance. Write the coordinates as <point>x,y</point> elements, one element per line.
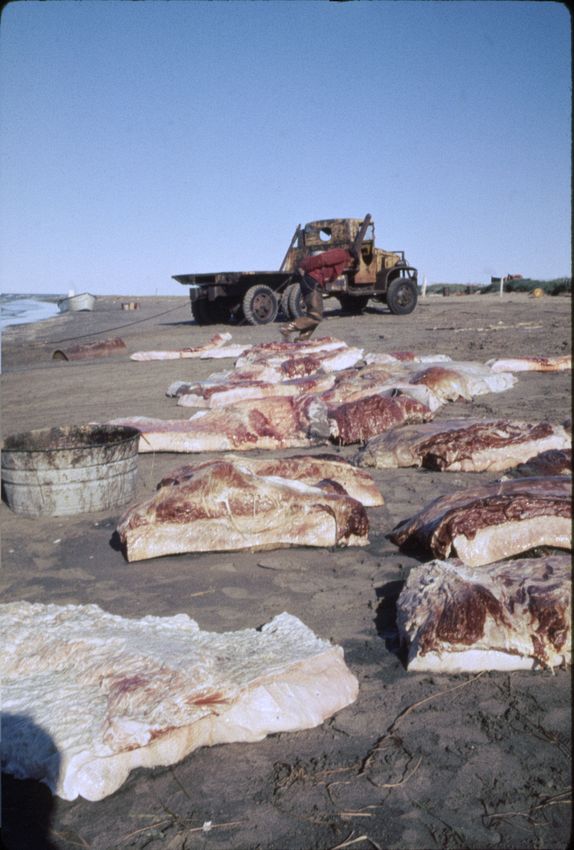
<point>501,285</point>
<point>424,292</point>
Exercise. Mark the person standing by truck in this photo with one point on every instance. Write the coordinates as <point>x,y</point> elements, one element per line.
<point>314,272</point>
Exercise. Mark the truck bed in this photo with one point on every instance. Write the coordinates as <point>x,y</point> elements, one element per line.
<point>272,279</point>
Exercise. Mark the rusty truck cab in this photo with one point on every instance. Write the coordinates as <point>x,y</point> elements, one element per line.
<point>328,233</point>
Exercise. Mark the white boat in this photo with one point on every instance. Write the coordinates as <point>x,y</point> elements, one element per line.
<point>75,303</point>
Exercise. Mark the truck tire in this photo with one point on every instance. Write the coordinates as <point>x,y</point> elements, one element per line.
<point>284,302</point>
<point>402,296</point>
<point>353,304</point>
<point>207,312</point>
<point>296,301</point>
<point>291,300</point>
<point>260,305</point>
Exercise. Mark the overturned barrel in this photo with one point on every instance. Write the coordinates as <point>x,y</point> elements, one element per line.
<point>69,470</point>
<point>102,348</point>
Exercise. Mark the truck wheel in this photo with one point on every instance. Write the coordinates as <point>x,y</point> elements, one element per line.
<point>198,312</point>
<point>353,304</point>
<point>296,301</point>
<point>284,302</point>
<point>210,312</point>
<point>260,305</point>
<point>402,296</point>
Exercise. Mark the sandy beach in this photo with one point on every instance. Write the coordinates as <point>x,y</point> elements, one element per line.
<point>418,761</point>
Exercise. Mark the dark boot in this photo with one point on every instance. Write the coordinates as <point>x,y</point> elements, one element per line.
<point>305,325</point>
<point>314,307</point>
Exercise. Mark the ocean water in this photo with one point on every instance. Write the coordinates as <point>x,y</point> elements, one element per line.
<point>21,309</point>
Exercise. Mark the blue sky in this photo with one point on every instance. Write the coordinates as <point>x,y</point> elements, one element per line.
<point>141,140</point>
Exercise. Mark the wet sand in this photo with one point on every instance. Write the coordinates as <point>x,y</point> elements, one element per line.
<point>418,761</point>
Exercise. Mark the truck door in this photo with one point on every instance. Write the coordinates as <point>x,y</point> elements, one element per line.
<point>366,273</point>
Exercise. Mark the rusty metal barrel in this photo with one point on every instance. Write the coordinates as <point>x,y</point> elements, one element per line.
<point>102,348</point>
<point>70,470</point>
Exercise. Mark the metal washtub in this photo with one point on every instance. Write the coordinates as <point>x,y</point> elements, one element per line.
<point>69,470</point>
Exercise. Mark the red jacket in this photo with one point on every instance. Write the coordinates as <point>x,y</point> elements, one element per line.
<point>327,266</point>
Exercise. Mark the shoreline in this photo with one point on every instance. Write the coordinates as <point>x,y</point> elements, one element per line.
<point>26,310</point>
